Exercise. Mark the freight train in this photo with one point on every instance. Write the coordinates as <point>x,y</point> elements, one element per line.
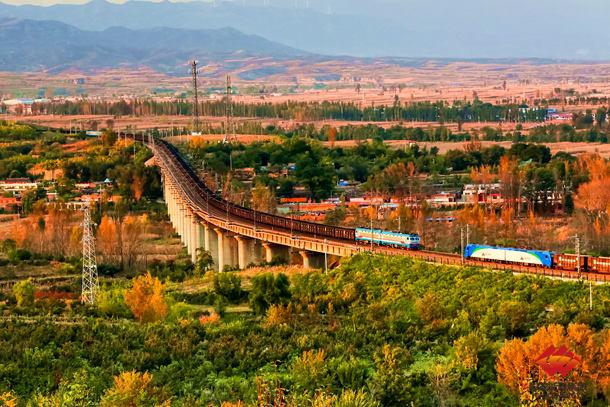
<point>538,258</point>
<point>203,197</point>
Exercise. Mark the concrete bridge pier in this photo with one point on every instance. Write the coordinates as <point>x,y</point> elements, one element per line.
<point>273,251</point>
<point>195,241</point>
<point>312,260</point>
<point>211,244</point>
<point>227,249</point>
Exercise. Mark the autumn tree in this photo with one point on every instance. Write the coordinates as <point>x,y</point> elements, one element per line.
<point>133,233</point>
<point>332,136</point>
<point>517,368</point>
<point>263,198</point>
<point>24,293</point>
<point>109,137</point>
<point>146,299</point>
<point>134,389</point>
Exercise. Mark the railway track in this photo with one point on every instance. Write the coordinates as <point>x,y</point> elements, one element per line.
<point>204,201</point>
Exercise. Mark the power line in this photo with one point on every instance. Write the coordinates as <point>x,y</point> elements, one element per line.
<point>90,281</point>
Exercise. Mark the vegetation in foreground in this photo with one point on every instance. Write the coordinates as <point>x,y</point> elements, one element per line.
<point>376,331</point>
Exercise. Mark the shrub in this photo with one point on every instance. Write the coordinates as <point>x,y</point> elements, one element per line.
<point>146,299</point>
<point>24,293</point>
<point>228,285</point>
<point>268,290</point>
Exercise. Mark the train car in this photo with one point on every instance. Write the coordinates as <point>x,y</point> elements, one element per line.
<point>509,255</point>
<point>599,265</point>
<point>570,262</point>
<point>382,237</point>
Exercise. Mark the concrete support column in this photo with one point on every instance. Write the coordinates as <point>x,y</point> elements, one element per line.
<point>212,245</point>
<point>206,237</point>
<point>268,252</point>
<point>306,259</point>
<point>187,230</point>
<point>194,238</point>
<point>245,251</point>
<point>272,251</point>
<point>200,236</point>
<point>221,249</point>
<point>312,260</point>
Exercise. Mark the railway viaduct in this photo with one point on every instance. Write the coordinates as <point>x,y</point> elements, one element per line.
<point>205,221</point>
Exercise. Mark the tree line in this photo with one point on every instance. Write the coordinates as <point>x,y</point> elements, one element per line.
<point>456,112</point>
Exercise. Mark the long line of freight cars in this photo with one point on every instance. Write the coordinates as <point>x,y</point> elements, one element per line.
<point>560,261</point>
<point>568,262</point>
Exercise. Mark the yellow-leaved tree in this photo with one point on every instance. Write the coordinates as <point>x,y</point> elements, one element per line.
<point>134,389</point>
<point>146,299</point>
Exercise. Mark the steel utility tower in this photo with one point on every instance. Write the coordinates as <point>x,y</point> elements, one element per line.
<point>196,93</point>
<point>229,136</point>
<point>90,281</point>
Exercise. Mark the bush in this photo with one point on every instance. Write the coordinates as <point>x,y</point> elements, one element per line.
<point>228,285</point>
<point>24,293</point>
<point>18,255</point>
<point>268,290</point>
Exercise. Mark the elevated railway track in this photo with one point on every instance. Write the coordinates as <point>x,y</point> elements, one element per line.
<point>237,236</point>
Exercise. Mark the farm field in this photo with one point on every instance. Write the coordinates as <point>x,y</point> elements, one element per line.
<point>431,81</point>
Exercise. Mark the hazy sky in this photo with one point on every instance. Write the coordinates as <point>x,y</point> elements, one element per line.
<point>50,2</point>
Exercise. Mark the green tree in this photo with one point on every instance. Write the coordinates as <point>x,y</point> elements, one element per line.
<point>24,292</point>
<point>268,290</point>
<point>204,261</point>
<point>228,285</point>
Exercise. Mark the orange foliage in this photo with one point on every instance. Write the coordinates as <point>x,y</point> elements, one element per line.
<point>211,319</point>
<point>146,299</point>
<point>594,196</point>
<point>594,165</point>
<point>131,389</point>
<point>516,365</point>
<point>332,136</point>
<point>482,175</point>
<point>137,187</point>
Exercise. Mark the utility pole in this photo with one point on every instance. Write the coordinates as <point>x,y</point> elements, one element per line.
<point>196,99</point>
<point>325,256</point>
<point>590,295</point>
<point>371,232</point>
<point>462,244</point>
<point>90,284</point>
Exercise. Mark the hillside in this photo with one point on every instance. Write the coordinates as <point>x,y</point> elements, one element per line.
<point>42,45</point>
<point>566,29</point>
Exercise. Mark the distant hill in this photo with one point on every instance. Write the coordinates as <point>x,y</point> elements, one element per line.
<point>35,45</point>
<point>565,29</point>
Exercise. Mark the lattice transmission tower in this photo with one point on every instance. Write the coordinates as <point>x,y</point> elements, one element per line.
<point>196,94</point>
<point>229,133</point>
<point>90,281</point>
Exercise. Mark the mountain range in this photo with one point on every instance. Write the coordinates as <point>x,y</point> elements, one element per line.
<point>564,29</point>
<point>27,45</point>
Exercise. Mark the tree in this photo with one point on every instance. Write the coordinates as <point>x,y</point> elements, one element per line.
<point>332,136</point>
<point>390,384</point>
<point>516,362</point>
<point>109,138</point>
<point>263,198</point>
<point>134,389</point>
<point>204,261</point>
<point>146,299</point>
<point>24,292</point>
<point>268,290</point>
